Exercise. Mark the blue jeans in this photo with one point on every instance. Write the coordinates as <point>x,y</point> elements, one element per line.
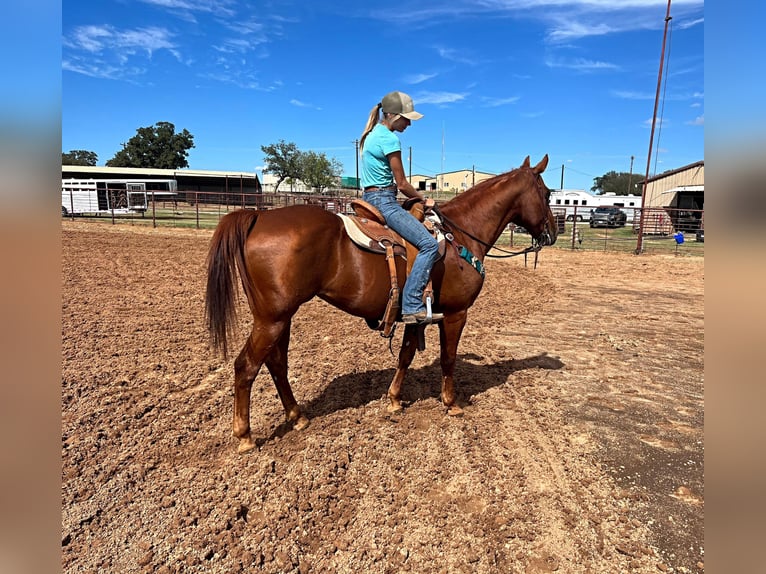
<point>413,231</point>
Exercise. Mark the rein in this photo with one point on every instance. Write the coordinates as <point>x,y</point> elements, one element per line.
<point>534,248</point>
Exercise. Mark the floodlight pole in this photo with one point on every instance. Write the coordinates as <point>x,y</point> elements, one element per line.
<point>640,241</point>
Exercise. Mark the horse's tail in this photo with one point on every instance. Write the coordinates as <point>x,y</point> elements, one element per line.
<point>225,258</point>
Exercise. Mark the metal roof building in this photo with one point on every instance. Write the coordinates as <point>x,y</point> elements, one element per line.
<point>187,179</point>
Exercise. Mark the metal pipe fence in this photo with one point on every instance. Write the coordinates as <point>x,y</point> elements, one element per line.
<point>666,230</point>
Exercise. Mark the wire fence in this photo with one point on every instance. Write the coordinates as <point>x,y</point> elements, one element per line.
<point>665,230</point>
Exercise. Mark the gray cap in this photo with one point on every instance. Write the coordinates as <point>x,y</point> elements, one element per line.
<point>400,103</point>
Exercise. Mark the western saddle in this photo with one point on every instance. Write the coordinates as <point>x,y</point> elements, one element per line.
<point>367,228</point>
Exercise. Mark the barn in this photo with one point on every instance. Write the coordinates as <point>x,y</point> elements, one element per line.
<point>682,188</point>
<point>675,199</point>
<point>222,186</point>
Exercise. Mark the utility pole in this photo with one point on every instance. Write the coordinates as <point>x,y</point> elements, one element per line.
<point>640,241</point>
<point>441,187</point>
<point>562,176</point>
<point>630,175</point>
<point>356,154</point>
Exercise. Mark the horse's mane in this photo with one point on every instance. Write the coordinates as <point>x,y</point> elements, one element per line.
<point>468,197</point>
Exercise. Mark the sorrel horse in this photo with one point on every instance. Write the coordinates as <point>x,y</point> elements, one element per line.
<point>287,256</point>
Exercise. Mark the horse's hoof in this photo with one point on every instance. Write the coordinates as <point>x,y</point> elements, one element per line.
<point>455,411</point>
<point>246,444</point>
<point>394,408</point>
<point>301,423</point>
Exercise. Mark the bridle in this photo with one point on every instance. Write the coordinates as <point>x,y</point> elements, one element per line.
<point>537,244</point>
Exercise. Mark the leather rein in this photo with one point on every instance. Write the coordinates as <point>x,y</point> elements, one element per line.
<point>534,248</point>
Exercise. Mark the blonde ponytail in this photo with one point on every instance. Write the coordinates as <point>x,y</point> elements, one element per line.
<point>372,121</point>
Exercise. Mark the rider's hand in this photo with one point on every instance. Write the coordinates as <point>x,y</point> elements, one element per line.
<point>429,202</point>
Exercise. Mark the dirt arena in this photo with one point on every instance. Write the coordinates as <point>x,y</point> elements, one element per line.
<point>581,449</point>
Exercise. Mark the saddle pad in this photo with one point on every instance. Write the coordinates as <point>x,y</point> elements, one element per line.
<point>365,241</point>
<point>358,236</point>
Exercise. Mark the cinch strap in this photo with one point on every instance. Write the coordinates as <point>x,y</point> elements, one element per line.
<point>471,258</point>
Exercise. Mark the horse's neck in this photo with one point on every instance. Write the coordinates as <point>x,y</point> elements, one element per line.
<point>485,212</point>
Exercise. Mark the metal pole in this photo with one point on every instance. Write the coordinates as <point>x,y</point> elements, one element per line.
<point>640,241</point>
<point>562,176</point>
<point>356,153</point>
<point>630,175</point>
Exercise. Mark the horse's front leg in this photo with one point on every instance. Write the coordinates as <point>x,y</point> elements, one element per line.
<point>450,330</point>
<point>406,354</point>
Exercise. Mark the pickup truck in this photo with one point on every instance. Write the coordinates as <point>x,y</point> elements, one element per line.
<point>608,216</point>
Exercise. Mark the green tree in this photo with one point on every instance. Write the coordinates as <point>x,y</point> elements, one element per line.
<point>157,146</point>
<point>318,171</point>
<point>79,157</point>
<point>622,183</point>
<point>283,160</point>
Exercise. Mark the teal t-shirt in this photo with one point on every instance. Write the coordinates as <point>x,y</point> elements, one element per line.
<point>376,170</point>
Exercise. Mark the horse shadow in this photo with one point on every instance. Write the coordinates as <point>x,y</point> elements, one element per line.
<point>355,390</point>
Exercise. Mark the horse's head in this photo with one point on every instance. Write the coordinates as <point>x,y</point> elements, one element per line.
<point>535,213</point>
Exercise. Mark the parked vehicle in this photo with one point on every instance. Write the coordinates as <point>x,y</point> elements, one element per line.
<point>579,203</point>
<point>608,216</point>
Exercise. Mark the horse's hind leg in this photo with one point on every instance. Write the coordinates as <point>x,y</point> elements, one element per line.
<point>259,345</point>
<point>276,362</point>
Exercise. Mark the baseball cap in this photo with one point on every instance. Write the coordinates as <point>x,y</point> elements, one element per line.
<point>400,103</point>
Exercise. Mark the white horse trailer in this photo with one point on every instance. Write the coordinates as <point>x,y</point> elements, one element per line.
<point>575,202</point>
<point>578,203</point>
<point>118,196</point>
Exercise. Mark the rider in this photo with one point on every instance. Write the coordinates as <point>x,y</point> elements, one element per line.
<point>382,175</point>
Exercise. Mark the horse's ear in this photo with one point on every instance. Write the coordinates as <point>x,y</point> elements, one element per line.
<point>526,162</point>
<point>540,167</point>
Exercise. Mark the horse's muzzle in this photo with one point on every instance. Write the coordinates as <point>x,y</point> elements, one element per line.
<point>547,237</point>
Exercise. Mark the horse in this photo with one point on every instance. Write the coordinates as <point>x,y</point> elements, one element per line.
<point>285,257</point>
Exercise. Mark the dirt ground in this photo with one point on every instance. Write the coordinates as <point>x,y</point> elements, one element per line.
<point>581,449</point>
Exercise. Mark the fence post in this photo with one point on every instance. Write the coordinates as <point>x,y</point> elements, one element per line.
<point>154,212</point>
<point>196,204</point>
<point>574,226</point>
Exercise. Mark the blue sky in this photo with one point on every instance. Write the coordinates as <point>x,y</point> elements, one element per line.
<point>495,79</point>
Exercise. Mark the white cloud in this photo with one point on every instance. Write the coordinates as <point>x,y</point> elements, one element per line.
<point>218,7</point>
<point>661,122</point>
<point>684,24</point>
<point>301,104</point>
<point>98,39</point>
<point>496,102</point>
<point>418,78</point>
<point>630,95</point>
<point>454,56</point>
<point>580,64</point>
<point>698,121</point>
<point>438,98</point>
<point>567,30</point>
<point>565,19</point>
